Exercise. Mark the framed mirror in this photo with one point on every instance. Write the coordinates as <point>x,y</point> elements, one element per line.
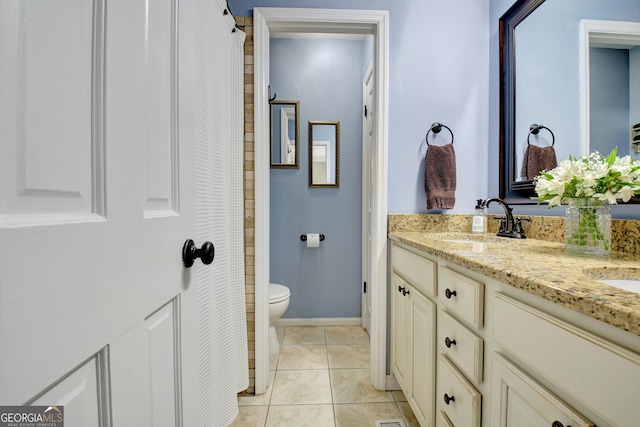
<point>511,189</point>
<point>324,154</point>
<point>551,78</point>
<point>285,134</point>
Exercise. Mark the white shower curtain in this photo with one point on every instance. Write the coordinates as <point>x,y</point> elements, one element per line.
<point>222,333</point>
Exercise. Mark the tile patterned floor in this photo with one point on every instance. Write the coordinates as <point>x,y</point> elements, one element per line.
<point>321,378</point>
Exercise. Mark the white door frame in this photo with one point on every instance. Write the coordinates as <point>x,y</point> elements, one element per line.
<point>615,34</point>
<point>309,20</point>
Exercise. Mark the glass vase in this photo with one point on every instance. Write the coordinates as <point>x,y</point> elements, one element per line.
<point>588,227</point>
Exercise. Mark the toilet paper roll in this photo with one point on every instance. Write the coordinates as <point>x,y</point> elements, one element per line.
<point>313,240</point>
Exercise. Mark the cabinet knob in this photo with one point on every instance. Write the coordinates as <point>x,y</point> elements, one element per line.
<point>448,399</point>
<point>448,342</point>
<point>449,293</point>
<point>405,292</point>
<point>558,424</point>
<point>400,288</point>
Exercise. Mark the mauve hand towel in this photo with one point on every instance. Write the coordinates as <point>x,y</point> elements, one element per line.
<point>440,176</point>
<point>538,159</point>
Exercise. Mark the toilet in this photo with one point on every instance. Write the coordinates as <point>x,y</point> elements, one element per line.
<point>278,303</point>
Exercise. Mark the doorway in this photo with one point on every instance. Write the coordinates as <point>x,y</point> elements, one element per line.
<point>318,21</point>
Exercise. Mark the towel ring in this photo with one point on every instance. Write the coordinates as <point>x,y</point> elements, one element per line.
<point>436,128</point>
<point>535,129</point>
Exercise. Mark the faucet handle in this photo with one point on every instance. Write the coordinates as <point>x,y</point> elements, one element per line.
<point>503,223</point>
<point>517,226</point>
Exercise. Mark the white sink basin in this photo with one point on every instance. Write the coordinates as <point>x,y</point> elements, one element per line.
<point>626,284</point>
<point>627,278</point>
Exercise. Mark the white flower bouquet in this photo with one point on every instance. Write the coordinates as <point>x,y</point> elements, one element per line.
<point>605,179</point>
<point>588,184</point>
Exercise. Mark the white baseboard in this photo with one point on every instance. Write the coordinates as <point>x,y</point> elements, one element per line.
<point>392,383</point>
<point>320,321</point>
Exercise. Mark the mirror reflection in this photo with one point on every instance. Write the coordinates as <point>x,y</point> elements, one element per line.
<point>324,154</point>
<point>545,73</point>
<point>610,102</point>
<point>285,134</point>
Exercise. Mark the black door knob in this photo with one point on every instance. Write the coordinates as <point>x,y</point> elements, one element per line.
<point>449,293</point>
<point>448,399</point>
<point>449,342</point>
<point>190,252</point>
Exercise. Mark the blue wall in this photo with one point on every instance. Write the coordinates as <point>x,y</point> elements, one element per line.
<point>439,69</point>
<point>444,66</point>
<point>326,77</point>
<point>609,93</point>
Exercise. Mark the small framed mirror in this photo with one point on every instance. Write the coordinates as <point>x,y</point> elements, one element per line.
<point>324,154</point>
<point>285,134</point>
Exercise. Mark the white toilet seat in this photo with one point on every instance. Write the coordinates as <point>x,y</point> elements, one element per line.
<point>278,304</point>
<point>278,293</point>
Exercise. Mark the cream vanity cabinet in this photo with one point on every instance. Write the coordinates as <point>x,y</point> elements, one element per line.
<point>419,303</point>
<point>470,351</point>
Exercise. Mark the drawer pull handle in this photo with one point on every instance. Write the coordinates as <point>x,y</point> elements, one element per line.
<point>400,288</point>
<point>558,424</point>
<point>448,342</point>
<point>405,292</point>
<point>448,399</point>
<point>449,293</point>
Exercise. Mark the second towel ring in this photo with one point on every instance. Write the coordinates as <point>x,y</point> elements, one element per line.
<point>436,128</point>
<point>535,129</point>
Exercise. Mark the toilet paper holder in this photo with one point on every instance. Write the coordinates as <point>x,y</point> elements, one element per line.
<point>303,237</point>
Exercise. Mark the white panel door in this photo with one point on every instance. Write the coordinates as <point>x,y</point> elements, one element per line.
<point>96,200</point>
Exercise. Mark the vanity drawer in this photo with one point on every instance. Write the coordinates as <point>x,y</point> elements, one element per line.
<point>462,296</point>
<point>602,375</point>
<point>461,345</point>
<point>457,397</point>
<point>418,271</point>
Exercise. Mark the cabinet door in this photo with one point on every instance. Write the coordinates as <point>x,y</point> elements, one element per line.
<point>607,381</point>
<point>401,329</point>
<point>519,401</point>
<point>423,318</point>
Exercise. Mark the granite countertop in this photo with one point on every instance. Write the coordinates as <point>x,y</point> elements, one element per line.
<point>544,269</point>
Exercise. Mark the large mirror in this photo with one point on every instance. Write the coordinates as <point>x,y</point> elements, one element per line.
<point>542,82</point>
<point>285,116</point>
<point>324,154</point>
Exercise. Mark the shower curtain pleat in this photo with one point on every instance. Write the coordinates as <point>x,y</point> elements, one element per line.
<point>222,334</point>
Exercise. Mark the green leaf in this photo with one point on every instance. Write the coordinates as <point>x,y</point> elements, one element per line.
<point>611,158</point>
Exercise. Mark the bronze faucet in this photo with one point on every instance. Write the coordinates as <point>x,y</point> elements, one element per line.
<point>509,227</point>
